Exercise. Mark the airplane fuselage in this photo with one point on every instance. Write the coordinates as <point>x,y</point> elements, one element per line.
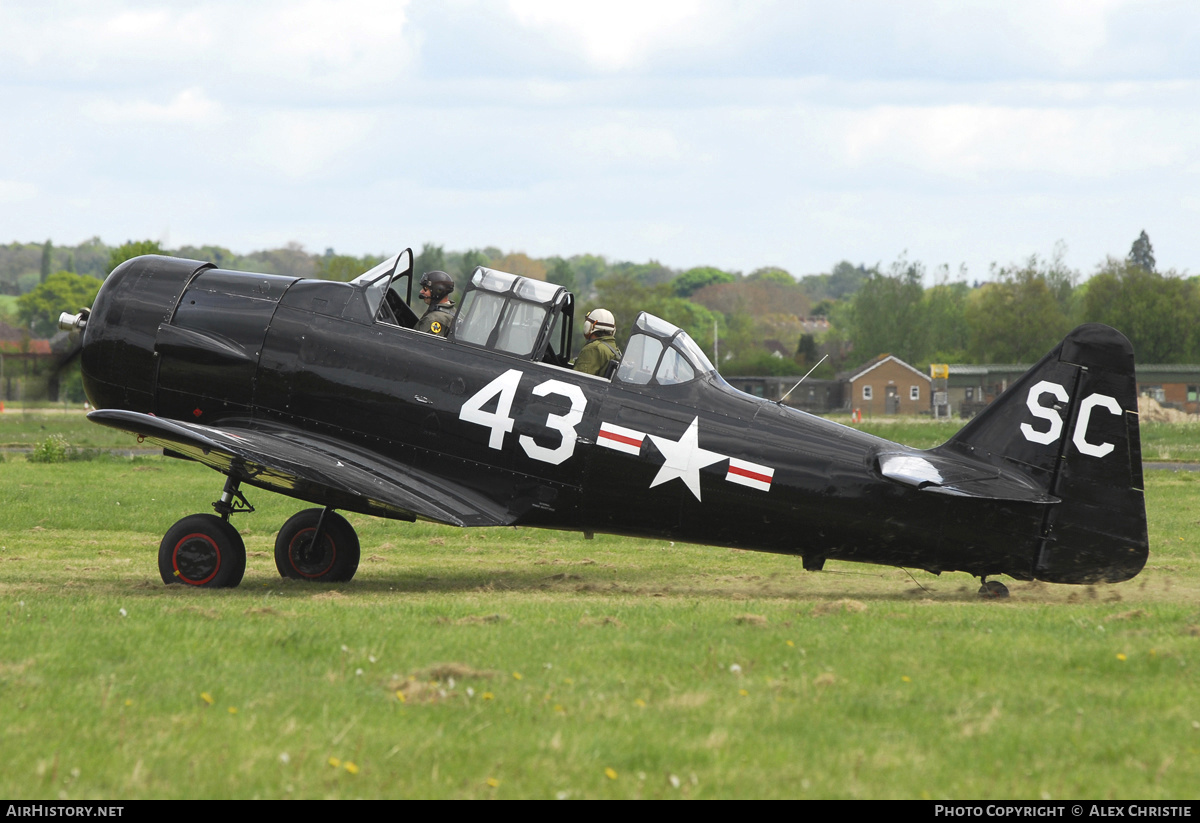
<point>697,461</point>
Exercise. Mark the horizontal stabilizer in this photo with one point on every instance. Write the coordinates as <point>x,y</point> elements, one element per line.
<point>941,474</point>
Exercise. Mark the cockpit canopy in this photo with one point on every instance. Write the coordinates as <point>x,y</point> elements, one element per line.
<point>532,319</point>
<point>377,280</point>
<point>660,354</point>
<point>523,317</point>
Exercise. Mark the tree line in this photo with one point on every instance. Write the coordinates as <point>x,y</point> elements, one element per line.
<point>764,322</point>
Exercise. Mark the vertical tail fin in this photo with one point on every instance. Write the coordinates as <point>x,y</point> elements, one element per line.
<point>1071,424</point>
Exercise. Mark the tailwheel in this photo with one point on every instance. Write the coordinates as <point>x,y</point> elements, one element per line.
<point>317,544</point>
<point>992,589</point>
<point>202,550</point>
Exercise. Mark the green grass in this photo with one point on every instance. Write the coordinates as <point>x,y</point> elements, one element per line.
<point>538,660</point>
<point>21,428</point>
<point>1179,442</point>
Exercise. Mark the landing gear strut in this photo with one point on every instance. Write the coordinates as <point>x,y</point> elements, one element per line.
<point>992,589</point>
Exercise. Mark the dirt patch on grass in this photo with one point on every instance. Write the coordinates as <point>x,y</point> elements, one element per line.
<point>601,621</point>
<point>688,700</point>
<point>15,669</point>
<point>845,605</point>
<point>437,682</point>
<point>473,619</point>
<point>211,614</point>
<point>751,620</point>
<point>267,611</point>
<point>459,671</point>
<point>1132,614</point>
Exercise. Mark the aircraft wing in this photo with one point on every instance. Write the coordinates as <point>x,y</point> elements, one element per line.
<point>319,469</point>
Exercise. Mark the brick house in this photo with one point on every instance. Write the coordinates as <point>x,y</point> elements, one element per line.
<point>888,385</point>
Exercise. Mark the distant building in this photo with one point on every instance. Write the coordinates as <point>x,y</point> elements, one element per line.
<point>1173,386</point>
<point>887,385</point>
<point>972,387</point>
<point>28,365</point>
<point>815,396</point>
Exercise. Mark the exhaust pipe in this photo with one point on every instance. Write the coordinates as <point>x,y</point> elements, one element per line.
<point>74,322</point>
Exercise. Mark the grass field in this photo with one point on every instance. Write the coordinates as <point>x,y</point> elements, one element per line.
<point>520,663</point>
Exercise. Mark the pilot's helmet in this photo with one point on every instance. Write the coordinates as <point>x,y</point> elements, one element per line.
<point>599,321</point>
<point>439,284</point>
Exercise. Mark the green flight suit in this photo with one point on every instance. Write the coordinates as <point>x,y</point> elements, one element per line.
<point>597,354</point>
<point>437,319</point>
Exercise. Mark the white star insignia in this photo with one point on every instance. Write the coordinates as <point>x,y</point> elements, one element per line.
<point>684,458</point>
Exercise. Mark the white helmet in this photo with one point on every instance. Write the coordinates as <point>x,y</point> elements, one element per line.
<point>599,320</point>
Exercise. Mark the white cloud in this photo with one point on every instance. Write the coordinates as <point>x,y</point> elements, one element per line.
<point>342,46</point>
<point>16,191</point>
<point>973,142</point>
<point>1072,33</point>
<point>190,107</point>
<point>301,144</point>
<point>615,34</point>
<point>642,147</point>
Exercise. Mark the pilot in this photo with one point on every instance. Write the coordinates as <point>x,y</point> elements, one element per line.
<point>435,291</point>
<point>600,329</point>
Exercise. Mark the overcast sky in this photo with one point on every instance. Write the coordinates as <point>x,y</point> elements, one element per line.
<point>694,132</point>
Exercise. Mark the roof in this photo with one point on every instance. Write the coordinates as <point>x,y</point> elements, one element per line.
<point>1147,369</point>
<point>1143,371</point>
<point>34,347</point>
<point>962,369</point>
<point>879,361</point>
<point>8,332</point>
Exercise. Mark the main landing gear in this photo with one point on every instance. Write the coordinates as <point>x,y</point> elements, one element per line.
<point>206,550</point>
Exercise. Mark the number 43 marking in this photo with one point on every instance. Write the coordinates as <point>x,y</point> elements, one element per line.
<point>500,421</point>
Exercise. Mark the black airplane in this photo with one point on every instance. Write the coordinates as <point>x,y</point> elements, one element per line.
<point>324,392</point>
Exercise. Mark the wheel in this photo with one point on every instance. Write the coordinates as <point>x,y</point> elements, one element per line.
<point>335,560</point>
<point>993,589</point>
<point>202,550</point>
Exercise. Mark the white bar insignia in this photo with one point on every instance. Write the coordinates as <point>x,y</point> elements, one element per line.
<point>620,438</point>
<point>745,473</point>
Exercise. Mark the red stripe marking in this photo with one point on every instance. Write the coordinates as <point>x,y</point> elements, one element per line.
<point>753,475</point>
<point>620,438</point>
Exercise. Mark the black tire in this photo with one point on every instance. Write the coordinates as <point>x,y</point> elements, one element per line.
<point>202,550</point>
<point>993,589</point>
<point>336,561</point>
